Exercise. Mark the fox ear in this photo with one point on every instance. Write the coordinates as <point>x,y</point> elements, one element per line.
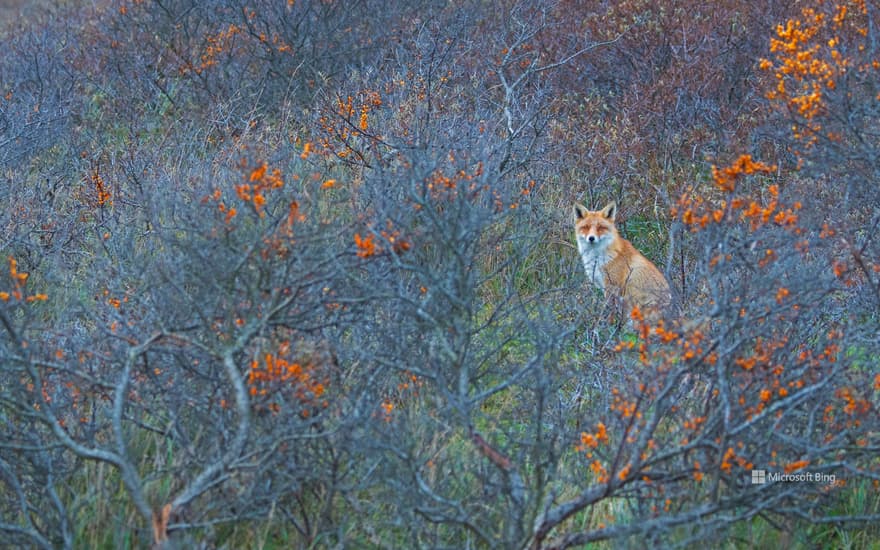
<point>610,211</point>
<point>579,211</point>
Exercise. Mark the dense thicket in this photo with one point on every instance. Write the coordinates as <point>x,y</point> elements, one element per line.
<point>301,274</point>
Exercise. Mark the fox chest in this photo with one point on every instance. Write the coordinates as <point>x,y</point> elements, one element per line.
<point>594,259</point>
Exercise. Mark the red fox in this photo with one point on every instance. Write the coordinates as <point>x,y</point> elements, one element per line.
<point>614,265</point>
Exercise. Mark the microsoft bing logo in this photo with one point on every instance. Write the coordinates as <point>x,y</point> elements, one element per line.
<point>759,477</point>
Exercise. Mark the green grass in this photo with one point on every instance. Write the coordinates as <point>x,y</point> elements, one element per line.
<point>860,499</point>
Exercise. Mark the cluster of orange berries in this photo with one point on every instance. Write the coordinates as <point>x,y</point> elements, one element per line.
<point>19,278</point>
<point>102,195</point>
<point>259,182</point>
<point>408,386</point>
<point>276,374</point>
<point>697,213</point>
<point>367,246</point>
<point>809,61</point>
<point>352,117</point>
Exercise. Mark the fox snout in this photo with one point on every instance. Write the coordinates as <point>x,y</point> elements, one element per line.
<point>595,235</point>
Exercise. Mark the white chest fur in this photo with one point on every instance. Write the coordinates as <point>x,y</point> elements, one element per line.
<point>594,256</point>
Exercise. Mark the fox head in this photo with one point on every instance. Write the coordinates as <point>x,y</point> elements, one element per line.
<point>595,229</point>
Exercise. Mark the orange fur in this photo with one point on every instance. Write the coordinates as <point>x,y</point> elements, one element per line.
<point>613,264</point>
